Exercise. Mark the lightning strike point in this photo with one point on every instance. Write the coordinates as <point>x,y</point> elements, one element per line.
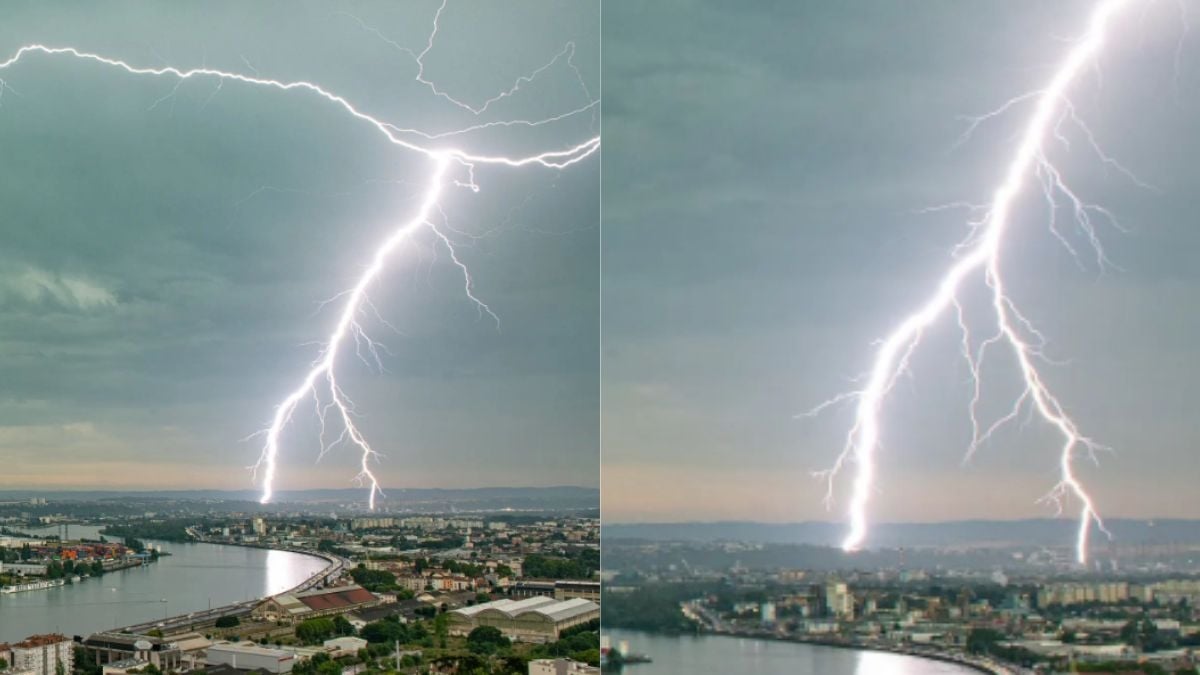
<point>979,257</point>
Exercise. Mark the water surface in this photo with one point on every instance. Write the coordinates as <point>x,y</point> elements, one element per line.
<point>194,577</point>
<point>722,655</point>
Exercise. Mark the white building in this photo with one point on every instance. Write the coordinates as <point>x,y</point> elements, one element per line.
<point>344,646</point>
<point>42,655</point>
<point>767,613</point>
<point>536,619</point>
<point>839,601</point>
<point>249,656</point>
<point>561,667</point>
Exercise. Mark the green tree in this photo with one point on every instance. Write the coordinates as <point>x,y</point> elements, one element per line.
<point>486,640</point>
<point>342,626</point>
<point>983,640</point>
<point>373,580</point>
<point>228,622</point>
<point>384,632</point>
<point>441,628</point>
<point>312,631</point>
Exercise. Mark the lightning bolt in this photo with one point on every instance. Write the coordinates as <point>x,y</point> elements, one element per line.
<point>979,256</point>
<point>449,166</point>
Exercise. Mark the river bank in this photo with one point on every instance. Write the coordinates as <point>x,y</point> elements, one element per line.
<point>705,653</point>
<point>195,578</point>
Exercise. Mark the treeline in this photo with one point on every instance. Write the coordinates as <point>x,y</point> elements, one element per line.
<point>163,530</point>
<point>579,564</point>
<point>581,643</point>
<point>379,581</point>
<point>66,568</point>
<point>315,631</point>
<point>652,608</point>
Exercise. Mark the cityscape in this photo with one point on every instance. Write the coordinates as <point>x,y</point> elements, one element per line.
<point>681,337</point>
<point>997,608</point>
<point>411,592</point>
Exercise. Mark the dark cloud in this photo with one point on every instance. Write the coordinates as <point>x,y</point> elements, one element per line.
<point>167,248</point>
<point>767,167</point>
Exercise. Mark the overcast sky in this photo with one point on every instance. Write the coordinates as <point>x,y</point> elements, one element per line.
<point>166,250</point>
<point>766,169</point>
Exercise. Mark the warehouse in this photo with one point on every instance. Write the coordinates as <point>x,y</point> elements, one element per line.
<point>249,656</point>
<point>538,619</point>
<point>296,607</point>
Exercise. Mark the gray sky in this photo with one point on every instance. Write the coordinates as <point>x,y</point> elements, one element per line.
<point>766,168</point>
<point>165,253</point>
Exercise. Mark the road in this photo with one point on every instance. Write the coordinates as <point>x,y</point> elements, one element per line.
<point>337,565</point>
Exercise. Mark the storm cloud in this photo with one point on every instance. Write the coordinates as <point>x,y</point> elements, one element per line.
<point>769,172</point>
<point>168,246</point>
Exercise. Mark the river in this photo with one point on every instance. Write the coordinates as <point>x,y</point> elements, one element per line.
<point>721,655</point>
<point>194,577</point>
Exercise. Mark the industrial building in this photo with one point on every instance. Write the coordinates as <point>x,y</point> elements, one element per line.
<point>296,607</point>
<point>107,648</point>
<point>538,619</point>
<point>249,656</point>
<point>559,590</point>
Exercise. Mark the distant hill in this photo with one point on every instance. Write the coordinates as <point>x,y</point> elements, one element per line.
<point>894,535</point>
<point>423,499</point>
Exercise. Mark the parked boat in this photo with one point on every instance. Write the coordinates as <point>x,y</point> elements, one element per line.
<point>33,586</point>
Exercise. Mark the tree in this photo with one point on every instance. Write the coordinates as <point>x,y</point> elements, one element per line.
<point>342,626</point>
<point>312,631</point>
<point>983,640</point>
<point>227,622</point>
<point>374,580</point>
<point>85,665</point>
<point>384,632</point>
<point>441,629</point>
<point>486,640</point>
<point>3,664</point>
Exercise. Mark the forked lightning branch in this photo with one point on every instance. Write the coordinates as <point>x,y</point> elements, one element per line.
<point>1010,335</point>
<point>449,168</point>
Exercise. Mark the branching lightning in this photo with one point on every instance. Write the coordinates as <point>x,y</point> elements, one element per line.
<point>449,167</point>
<point>979,257</point>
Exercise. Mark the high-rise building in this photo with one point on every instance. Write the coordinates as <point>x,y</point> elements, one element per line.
<point>767,613</point>
<point>43,655</point>
<point>839,601</point>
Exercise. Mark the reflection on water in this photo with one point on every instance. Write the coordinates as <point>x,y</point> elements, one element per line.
<point>718,655</point>
<point>194,577</point>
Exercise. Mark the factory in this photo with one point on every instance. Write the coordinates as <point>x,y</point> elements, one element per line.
<point>537,619</point>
